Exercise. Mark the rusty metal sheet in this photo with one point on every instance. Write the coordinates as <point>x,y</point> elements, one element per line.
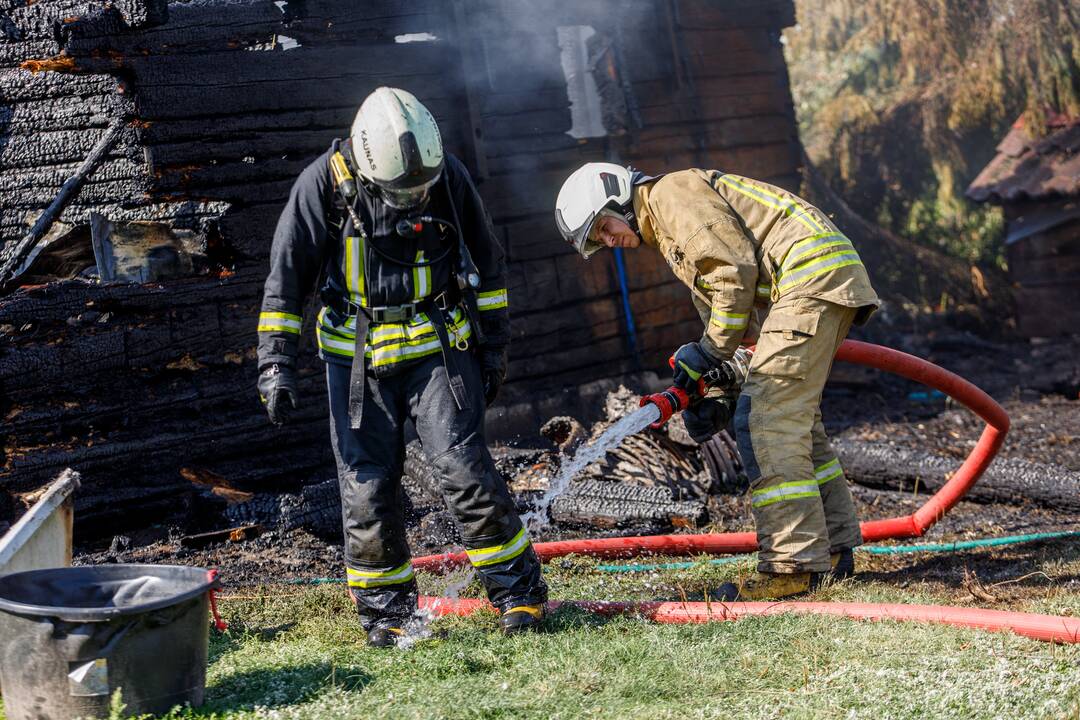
<point>1027,168</point>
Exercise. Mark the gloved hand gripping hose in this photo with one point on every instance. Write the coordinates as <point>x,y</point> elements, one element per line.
<point>728,374</point>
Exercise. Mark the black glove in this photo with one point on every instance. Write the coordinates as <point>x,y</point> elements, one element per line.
<point>689,364</point>
<point>707,417</point>
<point>493,372</point>
<point>278,391</point>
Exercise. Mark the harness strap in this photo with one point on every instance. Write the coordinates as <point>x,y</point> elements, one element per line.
<point>440,320</point>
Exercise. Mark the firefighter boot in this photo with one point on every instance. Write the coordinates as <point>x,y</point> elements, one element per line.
<point>385,634</point>
<point>521,618</point>
<point>843,565</point>
<point>769,586</point>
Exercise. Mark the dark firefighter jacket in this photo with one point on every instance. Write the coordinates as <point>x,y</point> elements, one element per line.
<point>314,238</point>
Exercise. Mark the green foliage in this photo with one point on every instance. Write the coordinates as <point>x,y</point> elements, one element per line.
<point>901,102</point>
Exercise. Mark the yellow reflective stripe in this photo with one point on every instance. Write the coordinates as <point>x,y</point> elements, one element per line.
<point>810,245</point>
<point>388,355</point>
<point>694,374</point>
<point>421,278</point>
<point>412,341</point>
<point>769,199</point>
<point>482,557</point>
<point>279,322</point>
<point>340,348</point>
<point>378,578</point>
<point>733,321</point>
<point>764,290</point>
<point>829,471</point>
<point>785,491</point>
<point>492,300</point>
<point>354,269</point>
<point>819,266</point>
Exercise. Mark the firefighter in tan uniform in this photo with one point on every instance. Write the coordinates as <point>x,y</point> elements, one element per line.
<point>739,244</point>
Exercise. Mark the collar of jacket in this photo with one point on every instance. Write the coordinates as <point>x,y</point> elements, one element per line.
<point>646,224</point>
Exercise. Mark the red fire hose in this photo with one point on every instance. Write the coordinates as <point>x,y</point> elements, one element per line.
<point>914,525</point>
<point>1040,627</point>
<point>1048,628</point>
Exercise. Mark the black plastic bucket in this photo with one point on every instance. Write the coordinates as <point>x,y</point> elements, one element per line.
<point>71,637</point>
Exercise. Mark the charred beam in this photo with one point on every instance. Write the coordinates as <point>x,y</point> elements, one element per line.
<point>67,193</point>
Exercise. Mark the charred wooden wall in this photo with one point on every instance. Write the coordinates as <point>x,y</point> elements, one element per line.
<point>1043,253</point>
<point>149,388</point>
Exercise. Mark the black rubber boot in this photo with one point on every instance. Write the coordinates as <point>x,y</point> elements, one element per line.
<point>521,618</point>
<point>843,565</point>
<point>384,635</point>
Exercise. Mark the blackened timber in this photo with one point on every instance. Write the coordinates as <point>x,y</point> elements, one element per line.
<point>71,186</point>
<point>469,67</point>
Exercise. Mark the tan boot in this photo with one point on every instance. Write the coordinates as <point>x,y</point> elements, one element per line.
<point>768,586</point>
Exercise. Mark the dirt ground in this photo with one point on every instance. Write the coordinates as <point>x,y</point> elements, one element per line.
<point>1045,429</point>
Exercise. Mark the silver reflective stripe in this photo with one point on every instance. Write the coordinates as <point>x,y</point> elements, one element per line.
<point>279,322</point>
<point>819,266</point>
<point>499,553</point>
<point>421,278</point>
<point>376,578</point>
<point>492,300</point>
<point>785,491</point>
<point>769,199</point>
<point>829,471</point>
<point>810,245</point>
<point>734,321</point>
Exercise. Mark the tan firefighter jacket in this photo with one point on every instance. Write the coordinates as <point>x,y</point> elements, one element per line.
<point>737,243</point>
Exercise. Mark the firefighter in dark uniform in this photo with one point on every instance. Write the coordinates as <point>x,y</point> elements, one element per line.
<point>415,325</point>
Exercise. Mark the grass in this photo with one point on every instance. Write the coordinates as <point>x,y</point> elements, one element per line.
<point>297,652</point>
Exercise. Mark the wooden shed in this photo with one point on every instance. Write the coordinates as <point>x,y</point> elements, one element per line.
<point>1036,180</point>
<point>147,388</point>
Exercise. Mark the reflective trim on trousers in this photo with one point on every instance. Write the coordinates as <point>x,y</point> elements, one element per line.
<point>378,578</point>
<point>829,471</point>
<point>785,491</point>
<point>482,557</point>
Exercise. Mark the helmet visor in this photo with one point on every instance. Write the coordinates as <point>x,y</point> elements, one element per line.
<point>581,236</point>
<point>407,198</point>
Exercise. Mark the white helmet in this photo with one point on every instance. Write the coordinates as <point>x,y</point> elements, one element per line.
<point>396,147</point>
<point>595,189</point>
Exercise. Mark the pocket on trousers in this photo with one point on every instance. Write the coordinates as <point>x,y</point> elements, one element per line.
<point>782,348</point>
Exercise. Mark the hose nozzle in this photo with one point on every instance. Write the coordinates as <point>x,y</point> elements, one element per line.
<point>668,402</point>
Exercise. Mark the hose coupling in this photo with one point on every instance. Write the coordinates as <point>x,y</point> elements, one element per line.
<point>668,402</point>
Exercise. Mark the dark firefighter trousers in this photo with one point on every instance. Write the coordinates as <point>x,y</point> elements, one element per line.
<point>370,462</point>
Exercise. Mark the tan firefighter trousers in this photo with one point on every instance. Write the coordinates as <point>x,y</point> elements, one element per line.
<point>801,503</point>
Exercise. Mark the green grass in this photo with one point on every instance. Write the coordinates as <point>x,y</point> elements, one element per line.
<point>297,652</point>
